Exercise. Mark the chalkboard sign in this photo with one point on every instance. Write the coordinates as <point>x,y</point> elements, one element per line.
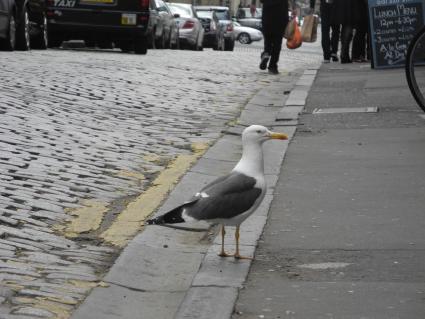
<point>392,24</point>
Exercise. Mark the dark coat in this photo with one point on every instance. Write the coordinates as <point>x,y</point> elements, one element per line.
<point>346,12</point>
<point>275,17</point>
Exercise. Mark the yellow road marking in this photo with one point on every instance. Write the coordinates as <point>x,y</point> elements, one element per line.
<point>87,218</point>
<point>130,221</point>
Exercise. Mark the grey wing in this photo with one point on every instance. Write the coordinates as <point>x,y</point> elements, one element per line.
<point>226,197</point>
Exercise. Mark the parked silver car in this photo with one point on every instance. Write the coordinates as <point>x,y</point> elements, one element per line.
<point>246,35</point>
<point>226,23</point>
<point>162,29</point>
<point>191,32</point>
<point>214,32</point>
<point>250,19</point>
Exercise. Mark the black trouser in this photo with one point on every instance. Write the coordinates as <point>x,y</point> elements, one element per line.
<point>329,43</point>
<point>359,42</point>
<point>273,45</point>
<point>346,37</point>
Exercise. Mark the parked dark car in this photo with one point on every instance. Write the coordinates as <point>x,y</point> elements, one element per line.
<point>250,19</point>
<point>214,34</point>
<point>223,15</point>
<point>163,31</point>
<point>122,22</point>
<point>22,25</point>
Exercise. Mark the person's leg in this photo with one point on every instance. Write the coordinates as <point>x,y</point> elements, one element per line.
<point>325,28</point>
<point>346,37</point>
<point>359,44</point>
<point>335,41</point>
<point>275,53</point>
<point>265,55</point>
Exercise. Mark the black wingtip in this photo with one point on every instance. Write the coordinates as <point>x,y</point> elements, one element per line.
<point>154,221</point>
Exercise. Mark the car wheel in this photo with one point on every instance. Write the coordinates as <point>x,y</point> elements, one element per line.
<point>229,45</point>
<point>23,31</point>
<point>8,44</point>
<point>218,45</point>
<point>40,40</point>
<point>176,45</point>
<point>244,38</point>
<point>141,45</point>
<point>222,44</point>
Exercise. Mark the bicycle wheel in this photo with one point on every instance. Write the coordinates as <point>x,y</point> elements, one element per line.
<point>415,67</point>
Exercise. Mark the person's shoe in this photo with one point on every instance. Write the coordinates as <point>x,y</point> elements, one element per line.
<point>273,70</point>
<point>334,57</point>
<point>345,60</point>
<point>264,60</point>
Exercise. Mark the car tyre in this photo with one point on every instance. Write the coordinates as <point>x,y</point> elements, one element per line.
<point>141,45</point>
<point>23,31</point>
<point>9,43</point>
<point>176,45</point>
<point>229,45</point>
<point>244,38</point>
<point>41,40</point>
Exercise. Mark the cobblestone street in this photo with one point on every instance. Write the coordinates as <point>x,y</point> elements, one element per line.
<point>81,134</point>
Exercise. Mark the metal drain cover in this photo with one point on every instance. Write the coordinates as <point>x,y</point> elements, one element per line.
<point>336,110</point>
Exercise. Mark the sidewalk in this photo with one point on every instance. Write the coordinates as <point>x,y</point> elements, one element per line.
<point>345,236</point>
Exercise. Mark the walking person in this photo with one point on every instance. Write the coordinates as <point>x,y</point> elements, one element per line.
<point>345,13</point>
<point>359,51</point>
<point>274,21</point>
<point>330,31</point>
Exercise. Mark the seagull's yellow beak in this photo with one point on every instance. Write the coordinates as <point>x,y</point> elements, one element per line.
<point>278,136</point>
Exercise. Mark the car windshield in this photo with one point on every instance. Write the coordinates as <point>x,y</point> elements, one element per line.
<point>205,14</point>
<point>222,14</point>
<point>182,10</point>
<point>161,5</point>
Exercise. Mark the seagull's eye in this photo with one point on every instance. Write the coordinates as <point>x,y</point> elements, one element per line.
<point>259,131</point>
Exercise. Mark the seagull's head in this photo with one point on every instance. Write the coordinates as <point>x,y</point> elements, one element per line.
<point>259,134</point>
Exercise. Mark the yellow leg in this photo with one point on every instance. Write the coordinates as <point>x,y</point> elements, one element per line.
<point>237,255</point>
<point>223,253</point>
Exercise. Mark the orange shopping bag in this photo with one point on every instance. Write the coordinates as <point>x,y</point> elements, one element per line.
<point>296,41</point>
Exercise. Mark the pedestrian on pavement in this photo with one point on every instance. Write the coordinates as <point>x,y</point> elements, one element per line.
<point>345,13</point>
<point>330,40</point>
<point>274,21</point>
<point>359,50</point>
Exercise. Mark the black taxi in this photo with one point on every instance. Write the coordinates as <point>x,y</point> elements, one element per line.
<point>120,22</point>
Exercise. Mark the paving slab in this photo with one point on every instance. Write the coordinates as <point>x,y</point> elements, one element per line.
<point>345,238</point>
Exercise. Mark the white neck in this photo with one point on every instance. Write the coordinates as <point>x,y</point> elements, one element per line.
<point>251,163</point>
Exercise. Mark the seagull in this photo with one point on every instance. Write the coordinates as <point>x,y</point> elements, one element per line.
<point>232,198</point>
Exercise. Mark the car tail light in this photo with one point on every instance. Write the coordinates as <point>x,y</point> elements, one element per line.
<point>144,4</point>
<point>188,24</point>
<point>230,27</point>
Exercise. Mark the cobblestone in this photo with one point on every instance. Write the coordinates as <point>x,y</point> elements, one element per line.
<point>84,125</point>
